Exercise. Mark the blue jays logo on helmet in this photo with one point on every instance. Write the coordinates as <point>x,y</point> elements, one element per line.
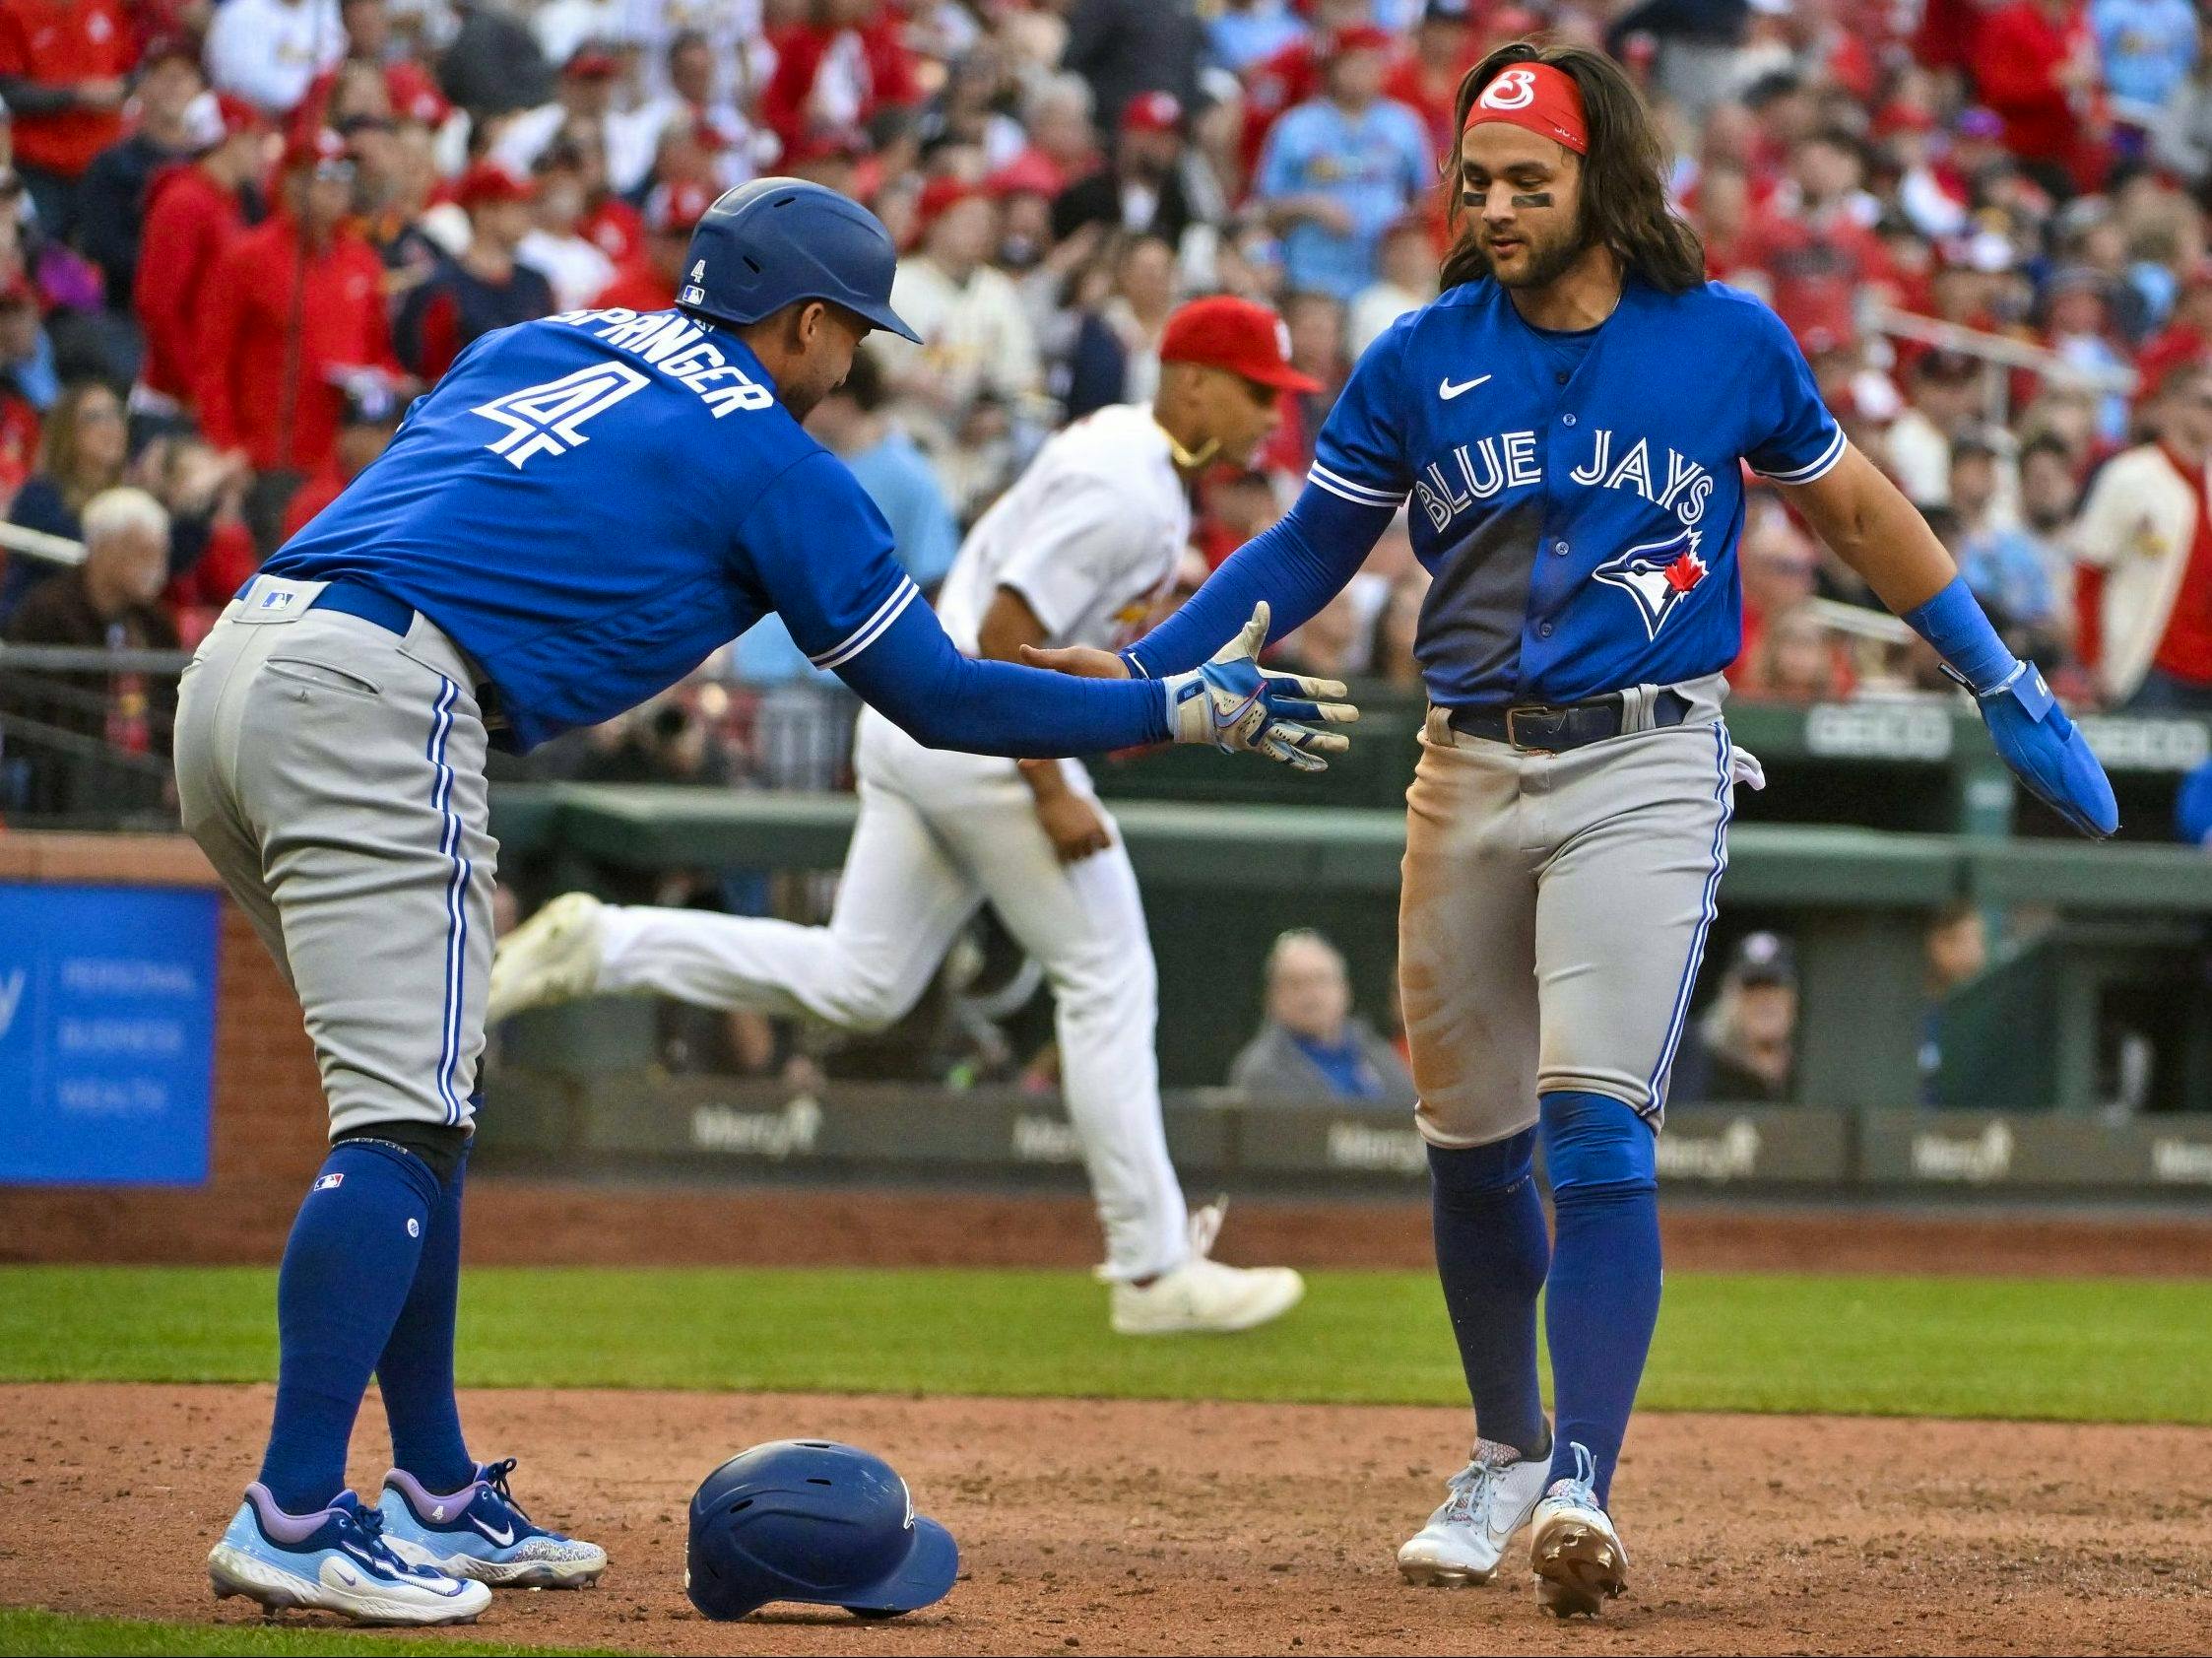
<point>1658,574</point>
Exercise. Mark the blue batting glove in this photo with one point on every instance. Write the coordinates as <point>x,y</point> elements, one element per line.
<point>1235,704</point>
<point>2044,751</point>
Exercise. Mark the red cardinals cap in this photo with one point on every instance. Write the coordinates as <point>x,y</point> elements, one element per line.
<point>488,181</point>
<point>834,143</point>
<point>940,196</point>
<point>1028,173</point>
<point>1537,98</point>
<point>675,209</point>
<point>316,148</point>
<point>1153,112</point>
<point>1365,38</point>
<point>1226,332</point>
<point>590,63</point>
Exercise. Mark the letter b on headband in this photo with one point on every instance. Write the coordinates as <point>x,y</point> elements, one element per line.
<point>1538,97</point>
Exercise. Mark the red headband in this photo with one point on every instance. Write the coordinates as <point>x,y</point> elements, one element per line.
<point>1538,97</point>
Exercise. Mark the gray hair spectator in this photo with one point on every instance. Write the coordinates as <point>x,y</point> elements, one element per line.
<point>110,601</point>
<point>1312,1046</point>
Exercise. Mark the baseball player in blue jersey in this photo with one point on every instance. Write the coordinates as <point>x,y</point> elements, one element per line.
<point>1571,419</point>
<point>578,512</point>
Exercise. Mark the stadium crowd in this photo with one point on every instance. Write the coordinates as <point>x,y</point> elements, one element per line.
<point>236,237</point>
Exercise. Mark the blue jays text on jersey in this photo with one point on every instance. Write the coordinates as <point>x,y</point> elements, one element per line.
<point>590,505</point>
<point>1580,518</point>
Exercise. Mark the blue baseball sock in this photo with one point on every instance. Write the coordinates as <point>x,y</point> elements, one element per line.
<point>1491,1251</point>
<point>346,1269</point>
<point>416,1370</point>
<point>1603,1297</point>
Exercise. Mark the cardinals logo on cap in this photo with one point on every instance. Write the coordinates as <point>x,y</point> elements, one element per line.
<point>1659,575</point>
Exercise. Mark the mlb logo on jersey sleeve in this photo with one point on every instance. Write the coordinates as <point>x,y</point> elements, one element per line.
<point>330,1182</point>
<point>1659,575</point>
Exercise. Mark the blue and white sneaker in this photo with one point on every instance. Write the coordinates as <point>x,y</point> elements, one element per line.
<point>1579,1561</point>
<point>480,1532</point>
<point>336,1560</point>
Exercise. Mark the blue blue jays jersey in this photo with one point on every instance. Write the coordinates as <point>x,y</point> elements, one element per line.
<point>590,505</point>
<point>1579,519</point>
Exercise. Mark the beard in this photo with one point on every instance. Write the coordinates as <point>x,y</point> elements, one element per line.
<point>1545,263</point>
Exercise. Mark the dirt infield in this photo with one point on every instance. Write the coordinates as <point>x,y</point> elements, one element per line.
<point>515,1222</point>
<point>1215,1528</point>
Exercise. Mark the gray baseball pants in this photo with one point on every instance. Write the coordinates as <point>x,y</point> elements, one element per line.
<point>333,772</point>
<point>1553,912</point>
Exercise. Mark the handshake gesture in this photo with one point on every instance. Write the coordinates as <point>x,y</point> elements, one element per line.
<point>1234,704</point>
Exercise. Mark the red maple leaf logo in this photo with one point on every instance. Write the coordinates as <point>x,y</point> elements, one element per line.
<point>1687,571</point>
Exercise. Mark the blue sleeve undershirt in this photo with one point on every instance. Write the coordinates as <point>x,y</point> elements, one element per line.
<point>1297,566</point>
<point>914,677</point>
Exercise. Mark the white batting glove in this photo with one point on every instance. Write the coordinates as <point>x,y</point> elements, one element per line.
<point>1235,704</point>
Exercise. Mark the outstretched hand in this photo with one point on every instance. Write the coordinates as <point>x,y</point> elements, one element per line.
<point>1235,704</point>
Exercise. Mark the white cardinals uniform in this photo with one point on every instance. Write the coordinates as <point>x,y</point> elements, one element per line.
<point>1088,536</point>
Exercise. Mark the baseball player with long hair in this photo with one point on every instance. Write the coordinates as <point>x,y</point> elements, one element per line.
<point>1078,552</point>
<point>578,513</point>
<point>1571,419</point>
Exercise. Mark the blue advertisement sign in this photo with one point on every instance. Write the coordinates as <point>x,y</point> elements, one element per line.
<point>106,1034</point>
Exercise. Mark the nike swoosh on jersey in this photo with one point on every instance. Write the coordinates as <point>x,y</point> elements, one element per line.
<point>503,1539</point>
<point>1446,390</point>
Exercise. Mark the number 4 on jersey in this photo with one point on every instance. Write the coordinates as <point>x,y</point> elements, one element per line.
<point>549,418</point>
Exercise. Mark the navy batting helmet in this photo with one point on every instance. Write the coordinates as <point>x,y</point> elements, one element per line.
<point>805,1520</point>
<point>774,241</point>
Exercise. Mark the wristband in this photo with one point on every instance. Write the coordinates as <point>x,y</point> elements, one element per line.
<point>1953,621</point>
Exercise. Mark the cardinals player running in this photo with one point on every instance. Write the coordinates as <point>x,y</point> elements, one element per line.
<point>1075,553</point>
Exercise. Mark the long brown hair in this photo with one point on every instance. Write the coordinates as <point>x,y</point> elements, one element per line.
<point>1624,205</point>
<point>59,456</point>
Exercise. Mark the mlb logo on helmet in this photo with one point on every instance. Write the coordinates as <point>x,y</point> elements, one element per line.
<point>693,293</point>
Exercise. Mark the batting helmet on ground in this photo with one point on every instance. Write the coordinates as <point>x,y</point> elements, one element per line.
<point>805,1520</point>
<point>768,243</point>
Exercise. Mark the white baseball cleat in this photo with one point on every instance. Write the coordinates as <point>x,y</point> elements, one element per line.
<point>1579,1561</point>
<point>1204,1297</point>
<point>553,956</point>
<point>1491,1500</point>
<point>333,1561</point>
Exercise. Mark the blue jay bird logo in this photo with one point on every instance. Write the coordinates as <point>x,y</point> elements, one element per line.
<point>1659,575</point>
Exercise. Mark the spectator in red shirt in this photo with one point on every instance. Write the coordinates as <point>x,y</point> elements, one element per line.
<point>193,216</point>
<point>373,408</point>
<point>648,284</point>
<point>1427,79</point>
<point>837,69</point>
<point>18,417</point>
<point>62,69</point>
<point>293,306</point>
<point>2035,64</point>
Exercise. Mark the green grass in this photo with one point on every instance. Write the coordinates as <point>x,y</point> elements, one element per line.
<point>2101,1350</point>
<point>49,1631</point>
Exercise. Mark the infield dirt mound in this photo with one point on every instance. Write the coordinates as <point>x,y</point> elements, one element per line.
<point>1148,1527</point>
